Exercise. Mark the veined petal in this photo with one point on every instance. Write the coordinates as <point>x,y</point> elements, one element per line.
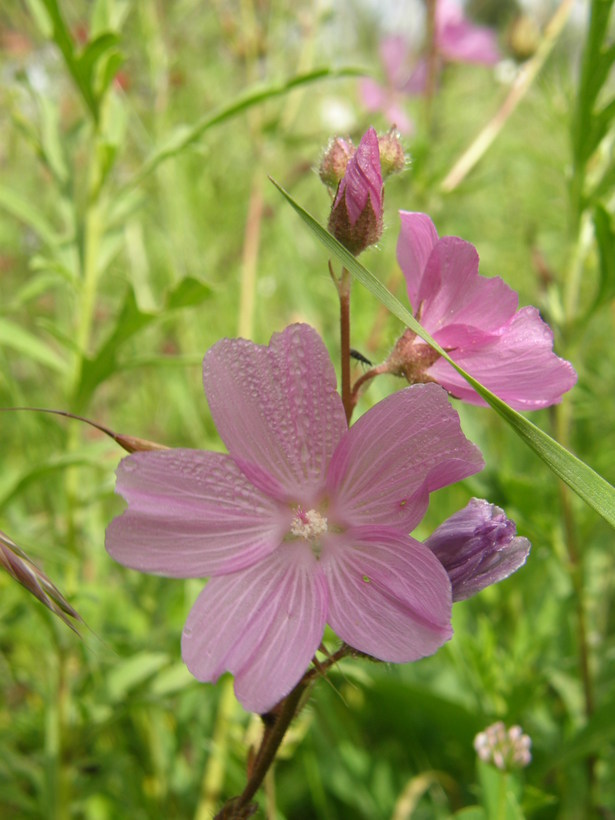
<point>518,365</point>
<point>277,408</point>
<point>477,547</point>
<point>362,182</point>
<point>191,514</point>
<point>417,239</point>
<point>389,596</point>
<point>455,294</point>
<point>263,625</point>
<point>402,449</point>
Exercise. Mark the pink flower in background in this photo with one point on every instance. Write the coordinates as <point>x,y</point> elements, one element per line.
<point>303,523</point>
<point>477,321</point>
<point>457,40</point>
<point>356,213</point>
<point>460,41</point>
<point>390,98</point>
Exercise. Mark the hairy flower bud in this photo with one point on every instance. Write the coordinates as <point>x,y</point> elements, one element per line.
<point>356,215</point>
<point>392,158</point>
<point>335,161</point>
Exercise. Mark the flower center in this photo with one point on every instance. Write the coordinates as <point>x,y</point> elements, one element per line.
<point>310,525</point>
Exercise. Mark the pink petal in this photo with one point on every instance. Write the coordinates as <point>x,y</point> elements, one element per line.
<point>362,182</point>
<point>373,96</point>
<point>397,117</point>
<point>477,547</point>
<point>417,239</point>
<point>518,365</point>
<point>402,449</point>
<point>461,41</point>
<point>263,625</point>
<point>455,294</point>
<point>191,514</point>
<point>389,596</point>
<point>394,53</point>
<point>277,409</point>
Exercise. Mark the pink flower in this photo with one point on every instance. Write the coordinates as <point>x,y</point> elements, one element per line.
<point>476,320</point>
<point>400,83</point>
<point>303,523</point>
<point>460,41</point>
<point>356,214</point>
<point>457,40</point>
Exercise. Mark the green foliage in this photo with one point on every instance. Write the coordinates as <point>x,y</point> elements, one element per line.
<point>136,225</point>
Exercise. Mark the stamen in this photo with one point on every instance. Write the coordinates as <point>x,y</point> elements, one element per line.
<point>308,524</point>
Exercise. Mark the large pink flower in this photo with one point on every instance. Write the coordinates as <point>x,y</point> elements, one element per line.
<point>303,523</point>
<point>477,321</point>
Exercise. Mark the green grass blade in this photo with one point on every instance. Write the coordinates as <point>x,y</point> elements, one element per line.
<point>591,487</point>
<point>185,135</point>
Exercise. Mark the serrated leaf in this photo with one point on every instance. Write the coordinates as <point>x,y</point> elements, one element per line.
<point>591,487</point>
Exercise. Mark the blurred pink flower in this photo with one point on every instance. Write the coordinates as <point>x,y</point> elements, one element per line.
<point>303,523</point>
<point>356,213</point>
<point>476,320</point>
<point>460,41</point>
<point>390,98</point>
<point>457,40</point>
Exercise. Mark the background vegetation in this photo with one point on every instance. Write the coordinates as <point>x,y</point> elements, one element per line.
<point>137,227</point>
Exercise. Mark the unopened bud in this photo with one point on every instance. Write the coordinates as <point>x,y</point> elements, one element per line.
<point>392,158</point>
<point>335,161</point>
<point>356,215</point>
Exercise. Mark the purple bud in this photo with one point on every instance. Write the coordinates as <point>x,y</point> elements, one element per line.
<point>356,215</point>
<point>477,547</point>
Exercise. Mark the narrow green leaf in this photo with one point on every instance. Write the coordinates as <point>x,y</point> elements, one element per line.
<point>185,135</point>
<point>23,210</point>
<point>591,487</point>
<point>14,336</point>
<point>605,240</point>
<point>187,293</point>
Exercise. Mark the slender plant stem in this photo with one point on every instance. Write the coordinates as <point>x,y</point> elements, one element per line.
<point>432,62</point>
<point>344,296</point>
<point>362,380</point>
<point>249,264</point>
<point>522,83</point>
<point>276,725</point>
<point>213,777</point>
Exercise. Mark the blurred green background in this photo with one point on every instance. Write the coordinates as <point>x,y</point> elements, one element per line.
<point>137,227</point>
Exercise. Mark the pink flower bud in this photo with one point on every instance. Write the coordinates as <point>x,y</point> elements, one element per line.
<point>356,215</point>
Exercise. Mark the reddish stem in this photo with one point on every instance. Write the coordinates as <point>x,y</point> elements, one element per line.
<point>343,289</point>
<point>276,725</point>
